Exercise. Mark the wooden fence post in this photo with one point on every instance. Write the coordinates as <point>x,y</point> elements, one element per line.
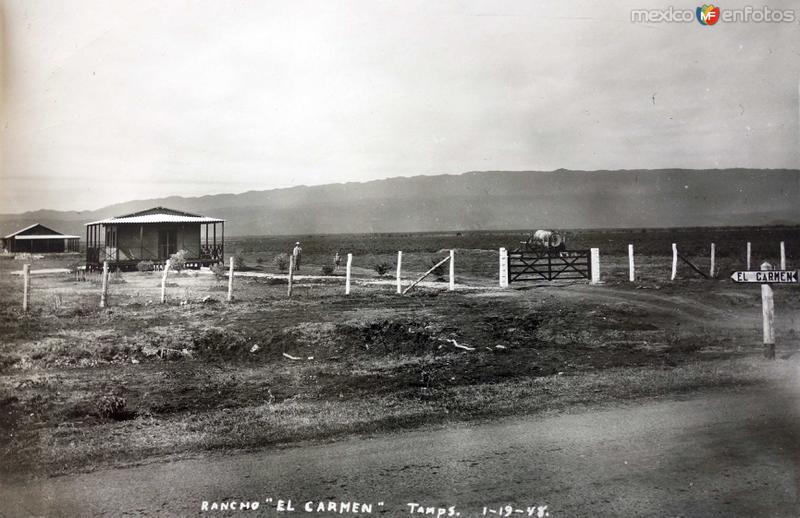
<point>164,282</point>
<point>783,255</point>
<point>674,261</point>
<point>712,273</point>
<point>768,313</point>
<point>595,260</point>
<point>230,281</point>
<point>503,268</point>
<point>749,250</point>
<point>399,269</point>
<point>104,284</point>
<point>291,275</point>
<point>347,277</point>
<point>631,269</point>
<point>452,270</point>
<point>26,285</point>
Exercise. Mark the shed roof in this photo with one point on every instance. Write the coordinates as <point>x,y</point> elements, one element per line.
<point>35,225</point>
<point>157,215</point>
<point>47,236</point>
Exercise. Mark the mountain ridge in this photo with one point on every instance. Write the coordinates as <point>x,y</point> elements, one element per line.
<point>483,200</point>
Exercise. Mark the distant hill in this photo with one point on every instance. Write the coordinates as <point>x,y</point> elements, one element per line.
<point>490,200</point>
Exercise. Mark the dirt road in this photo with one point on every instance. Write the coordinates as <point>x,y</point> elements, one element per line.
<point>716,454</point>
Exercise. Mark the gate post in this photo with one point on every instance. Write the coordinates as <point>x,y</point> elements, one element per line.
<point>503,268</point>
<point>595,265</point>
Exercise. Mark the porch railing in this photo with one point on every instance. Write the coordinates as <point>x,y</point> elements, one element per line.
<point>211,252</point>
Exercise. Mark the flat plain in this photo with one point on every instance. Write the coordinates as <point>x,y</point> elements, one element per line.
<point>83,388</point>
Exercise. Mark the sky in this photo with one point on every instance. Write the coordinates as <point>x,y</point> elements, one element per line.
<point>109,101</point>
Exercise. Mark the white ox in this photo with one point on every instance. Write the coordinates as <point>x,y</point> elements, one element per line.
<point>546,239</point>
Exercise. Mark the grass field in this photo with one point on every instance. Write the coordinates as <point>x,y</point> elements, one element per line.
<point>82,387</point>
<point>369,249</point>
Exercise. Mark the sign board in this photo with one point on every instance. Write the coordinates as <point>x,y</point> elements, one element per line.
<point>767,276</point>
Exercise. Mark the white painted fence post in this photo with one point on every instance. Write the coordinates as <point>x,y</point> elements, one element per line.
<point>674,261</point>
<point>749,250</point>
<point>347,278</point>
<point>503,268</point>
<point>291,275</point>
<point>768,313</point>
<point>230,281</point>
<point>164,282</point>
<point>783,255</point>
<point>631,269</point>
<point>452,270</point>
<point>104,284</point>
<point>595,260</point>
<point>26,285</point>
<point>399,270</point>
<point>712,272</point>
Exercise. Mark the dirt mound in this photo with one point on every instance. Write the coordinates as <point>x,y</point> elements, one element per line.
<point>388,336</point>
<point>218,343</point>
<point>381,337</point>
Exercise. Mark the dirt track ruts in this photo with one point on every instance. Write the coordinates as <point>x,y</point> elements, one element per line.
<point>716,454</point>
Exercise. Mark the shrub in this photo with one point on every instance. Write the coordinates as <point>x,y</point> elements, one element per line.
<point>177,261</point>
<point>281,262</point>
<point>327,269</point>
<point>111,407</point>
<point>238,260</point>
<point>381,268</point>
<point>218,269</point>
<point>145,266</point>
<point>116,277</point>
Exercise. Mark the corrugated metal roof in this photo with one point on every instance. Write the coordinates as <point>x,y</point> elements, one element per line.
<point>21,230</point>
<point>28,228</point>
<point>45,236</point>
<point>156,218</point>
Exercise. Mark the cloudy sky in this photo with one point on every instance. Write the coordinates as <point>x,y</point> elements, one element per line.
<point>107,101</point>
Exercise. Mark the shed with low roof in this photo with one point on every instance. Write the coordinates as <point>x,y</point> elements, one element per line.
<point>38,239</point>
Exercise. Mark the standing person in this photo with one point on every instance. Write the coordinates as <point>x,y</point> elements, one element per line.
<point>337,261</point>
<point>296,254</point>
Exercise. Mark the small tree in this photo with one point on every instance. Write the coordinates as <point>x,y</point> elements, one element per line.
<point>281,262</point>
<point>381,268</point>
<point>177,261</point>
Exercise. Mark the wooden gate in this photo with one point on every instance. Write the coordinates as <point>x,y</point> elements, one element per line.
<point>527,265</point>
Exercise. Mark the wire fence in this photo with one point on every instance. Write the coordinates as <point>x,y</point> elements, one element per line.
<point>258,279</point>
